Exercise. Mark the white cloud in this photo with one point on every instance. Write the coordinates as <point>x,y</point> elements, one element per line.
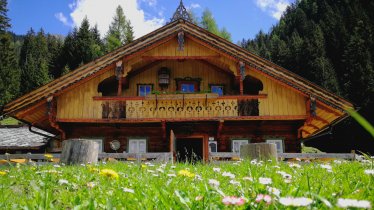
<point>194,6</point>
<point>61,17</point>
<point>101,13</point>
<point>150,3</point>
<point>274,7</point>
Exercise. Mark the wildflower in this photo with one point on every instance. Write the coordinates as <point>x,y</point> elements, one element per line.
<point>254,161</point>
<point>128,190</point>
<point>172,166</point>
<point>151,171</point>
<point>262,197</point>
<point>155,175</point>
<point>171,175</point>
<point>248,178</point>
<point>345,203</point>
<point>63,181</point>
<point>294,165</point>
<point>144,166</point>
<point>264,180</point>
<point>216,169</point>
<point>109,173</point>
<point>299,201</point>
<point>198,198</point>
<point>91,184</point>
<point>228,174</point>
<point>232,200</point>
<point>186,173</point>
<point>2,173</point>
<point>94,169</point>
<point>56,166</point>
<point>325,166</point>
<point>233,182</point>
<point>213,182</point>
<point>160,170</point>
<point>370,172</point>
<point>273,190</point>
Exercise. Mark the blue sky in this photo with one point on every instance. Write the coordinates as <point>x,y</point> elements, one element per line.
<point>242,18</point>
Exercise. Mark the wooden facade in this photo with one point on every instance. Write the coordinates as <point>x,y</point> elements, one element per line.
<point>180,86</point>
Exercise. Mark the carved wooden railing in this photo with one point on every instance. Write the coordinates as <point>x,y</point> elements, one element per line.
<point>179,106</point>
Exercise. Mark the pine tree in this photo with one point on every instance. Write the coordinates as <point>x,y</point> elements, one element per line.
<point>120,31</point>
<point>357,60</point>
<point>9,70</point>
<point>34,61</point>
<point>224,33</point>
<point>4,20</point>
<point>209,23</point>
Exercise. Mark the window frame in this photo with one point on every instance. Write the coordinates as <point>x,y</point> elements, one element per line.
<point>221,85</point>
<point>213,142</point>
<point>270,139</point>
<point>188,80</point>
<point>138,88</point>
<point>137,138</point>
<point>238,140</point>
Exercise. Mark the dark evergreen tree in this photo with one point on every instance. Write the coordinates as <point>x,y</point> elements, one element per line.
<point>34,60</point>
<point>9,70</point>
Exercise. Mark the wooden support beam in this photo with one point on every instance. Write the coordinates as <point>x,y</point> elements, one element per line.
<point>155,58</point>
<point>320,119</point>
<point>313,126</point>
<point>220,127</point>
<point>52,110</point>
<point>119,91</point>
<point>163,125</point>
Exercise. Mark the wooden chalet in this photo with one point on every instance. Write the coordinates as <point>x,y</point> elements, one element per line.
<point>181,88</point>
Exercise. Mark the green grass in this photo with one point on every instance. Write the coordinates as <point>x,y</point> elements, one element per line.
<point>9,121</point>
<point>33,187</point>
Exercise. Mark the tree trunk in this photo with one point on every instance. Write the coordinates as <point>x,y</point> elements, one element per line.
<point>262,151</point>
<point>76,151</point>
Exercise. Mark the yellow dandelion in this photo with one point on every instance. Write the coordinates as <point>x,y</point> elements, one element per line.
<point>2,173</point>
<point>186,173</point>
<point>109,173</point>
<point>94,169</point>
<point>144,166</point>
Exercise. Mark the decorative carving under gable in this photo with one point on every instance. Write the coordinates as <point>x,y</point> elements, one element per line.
<point>181,13</point>
<point>313,106</point>
<point>119,70</point>
<point>181,41</point>
<point>242,69</point>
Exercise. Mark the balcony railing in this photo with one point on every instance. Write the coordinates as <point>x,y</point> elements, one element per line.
<point>179,106</point>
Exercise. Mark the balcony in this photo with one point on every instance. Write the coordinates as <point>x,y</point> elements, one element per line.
<point>179,106</point>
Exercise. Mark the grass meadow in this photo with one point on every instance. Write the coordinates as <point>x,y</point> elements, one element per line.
<point>228,185</point>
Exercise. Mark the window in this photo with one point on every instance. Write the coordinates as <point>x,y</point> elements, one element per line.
<point>212,146</point>
<point>144,90</point>
<point>217,89</point>
<point>278,142</point>
<point>236,145</point>
<point>187,87</point>
<point>137,146</point>
<point>188,84</point>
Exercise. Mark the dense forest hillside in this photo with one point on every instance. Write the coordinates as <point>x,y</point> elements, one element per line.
<point>329,42</point>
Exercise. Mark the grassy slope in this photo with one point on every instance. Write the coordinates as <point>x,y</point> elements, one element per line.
<point>9,121</point>
<point>38,187</point>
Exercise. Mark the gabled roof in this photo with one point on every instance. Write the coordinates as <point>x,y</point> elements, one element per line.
<point>21,138</point>
<point>161,35</point>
